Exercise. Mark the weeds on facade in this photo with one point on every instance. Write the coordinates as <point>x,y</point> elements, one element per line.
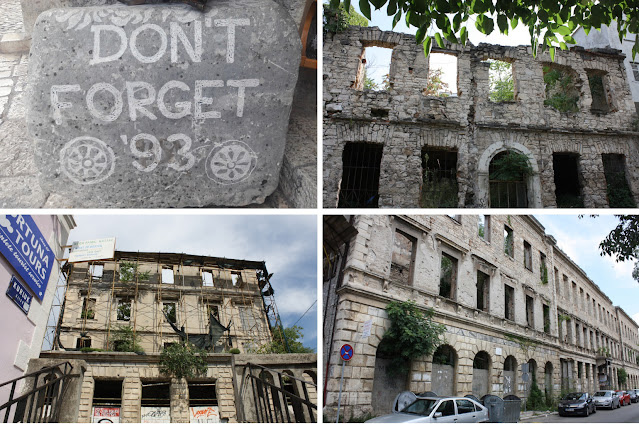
<point>603,351</point>
<point>124,339</point>
<point>526,345</point>
<point>619,194</point>
<point>544,273</point>
<point>435,86</point>
<point>129,272</point>
<point>183,360</point>
<point>87,314</point>
<point>412,334</point>
<point>511,166</point>
<point>561,92</point>
<point>337,20</point>
<point>285,341</point>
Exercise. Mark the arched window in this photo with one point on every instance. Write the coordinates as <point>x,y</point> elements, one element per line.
<point>508,173</point>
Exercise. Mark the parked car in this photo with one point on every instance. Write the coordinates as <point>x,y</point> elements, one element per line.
<point>576,403</point>
<point>434,409</point>
<point>624,397</point>
<point>606,399</point>
<point>634,395</point>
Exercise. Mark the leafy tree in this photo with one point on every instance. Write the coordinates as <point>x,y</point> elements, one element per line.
<point>435,86</point>
<point>123,339</point>
<point>183,360</point>
<point>622,243</point>
<point>502,87</point>
<point>412,334</point>
<point>129,270</point>
<point>550,23</point>
<point>280,344</point>
<point>338,20</point>
<point>622,376</point>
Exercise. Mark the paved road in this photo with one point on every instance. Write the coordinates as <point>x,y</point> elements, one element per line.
<point>625,414</point>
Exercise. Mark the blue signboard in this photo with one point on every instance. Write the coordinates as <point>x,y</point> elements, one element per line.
<point>23,245</point>
<point>20,294</point>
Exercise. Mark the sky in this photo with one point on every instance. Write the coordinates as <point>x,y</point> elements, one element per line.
<point>288,245</point>
<point>579,239</point>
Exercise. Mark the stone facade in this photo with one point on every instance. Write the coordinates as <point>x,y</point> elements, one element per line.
<point>405,123</point>
<point>533,305</point>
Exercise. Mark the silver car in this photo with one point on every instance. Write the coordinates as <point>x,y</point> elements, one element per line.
<point>606,399</point>
<point>440,409</point>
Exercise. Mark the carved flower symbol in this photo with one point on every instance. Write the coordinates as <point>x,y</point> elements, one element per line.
<point>230,162</point>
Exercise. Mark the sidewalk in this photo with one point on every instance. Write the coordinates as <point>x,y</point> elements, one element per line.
<point>531,415</point>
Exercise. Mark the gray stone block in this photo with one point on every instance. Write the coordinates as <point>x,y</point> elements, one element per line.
<point>162,106</point>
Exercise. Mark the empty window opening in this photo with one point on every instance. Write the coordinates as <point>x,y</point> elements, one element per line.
<point>561,91</point>
<point>599,92</point>
<point>96,270</point>
<point>509,247</point>
<point>81,342</point>
<point>566,287</point>
<point>502,86</point>
<point>439,182</point>
<point>483,291</point>
<point>379,113</point>
<point>509,302</point>
<point>546,310</point>
<point>483,227</point>
<point>507,174</point>
<point>207,278</point>
<point>167,275</point>
<point>107,393</point>
<point>567,184</point>
<point>236,278</point>
<point>202,394</point>
<point>374,69</point>
<point>618,190</point>
<point>88,309</point>
<point>448,278</point>
<point>560,327</point>
<point>530,311</point>
<point>170,311</point>
<point>156,394</point>
<point>360,178</point>
<point>442,75</point>
<point>124,310</point>
<point>579,369</point>
<point>215,310</point>
<point>557,282</point>
<point>481,361</point>
<point>403,258</point>
<point>527,256</point>
<point>543,268</point>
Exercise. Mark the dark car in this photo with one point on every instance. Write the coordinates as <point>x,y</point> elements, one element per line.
<point>576,403</point>
<point>634,395</point>
<point>624,397</point>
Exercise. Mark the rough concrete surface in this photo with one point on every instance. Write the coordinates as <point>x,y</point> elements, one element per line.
<point>10,17</point>
<point>110,130</point>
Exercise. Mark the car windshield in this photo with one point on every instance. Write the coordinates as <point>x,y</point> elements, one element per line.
<point>602,394</point>
<point>420,407</point>
<point>575,396</point>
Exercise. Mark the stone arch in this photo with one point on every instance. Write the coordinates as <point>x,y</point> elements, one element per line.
<point>533,183</point>
<point>510,375</point>
<point>444,377</point>
<point>386,383</point>
<point>482,364</point>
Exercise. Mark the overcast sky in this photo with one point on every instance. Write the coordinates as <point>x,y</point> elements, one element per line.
<point>288,245</point>
<point>580,239</point>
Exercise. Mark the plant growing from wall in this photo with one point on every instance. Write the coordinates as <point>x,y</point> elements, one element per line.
<point>561,93</point>
<point>622,376</point>
<point>604,351</point>
<point>438,189</point>
<point>543,270</point>
<point>129,271</point>
<point>526,345</point>
<point>435,86</point>
<point>87,313</point>
<point>412,333</point>
<point>511,166</point>
<point>183,360</point>
<point>285,341</point>
<point>535,399</point>
<point>563,317</point>
<point>124,339</point>
<point>337,20</point>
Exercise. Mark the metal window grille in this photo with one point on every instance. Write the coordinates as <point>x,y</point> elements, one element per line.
<point>507,193</point>
<point>439,183</point>
<point>360,178</point>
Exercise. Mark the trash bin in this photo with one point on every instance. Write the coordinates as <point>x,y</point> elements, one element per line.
<point>512,409</point>
<point>473,397</point>
<point>495,406</point>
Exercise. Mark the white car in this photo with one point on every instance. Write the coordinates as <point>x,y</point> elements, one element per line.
<point>438,409</point>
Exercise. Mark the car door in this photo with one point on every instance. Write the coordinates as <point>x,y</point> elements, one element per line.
<point>447,410</point>
<point>466,411</point>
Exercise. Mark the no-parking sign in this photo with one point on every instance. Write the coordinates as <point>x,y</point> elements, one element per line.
<point>346,352</point>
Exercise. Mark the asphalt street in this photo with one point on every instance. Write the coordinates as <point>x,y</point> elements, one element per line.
<point>625,414</point>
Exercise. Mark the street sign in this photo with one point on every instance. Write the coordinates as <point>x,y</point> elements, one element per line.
<point>525,377</point>
<point>20,294</point>
<point>346,352</point>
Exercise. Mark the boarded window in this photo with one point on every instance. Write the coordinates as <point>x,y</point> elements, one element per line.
<point>360,179</point>
<point>167,275</point>
<point>207,278</point>
<point>483,291</point>
<point>448,278</point>
<point>530,311</point>
<point>618,190</point>
<point>509,302</point>
<point>247,318</point>
<point>96,270</point>
<point>567,184</point>
<point>403,257</point>
<point>509,247</point>
<point>527,256</point>
<point>439,182</point>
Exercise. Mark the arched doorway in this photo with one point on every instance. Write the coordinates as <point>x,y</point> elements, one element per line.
<point>481,374</point>
<point>386,383</point>
<point>443,381</point>
<point>548,381</point>
<point>508,173</point>
<point>510,376</point>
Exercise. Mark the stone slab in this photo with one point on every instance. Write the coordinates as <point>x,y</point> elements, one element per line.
<point>14,42</point>
<point>135,109</point>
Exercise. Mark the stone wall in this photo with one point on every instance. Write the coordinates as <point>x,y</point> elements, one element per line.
<point>404,120</point>
<point>367,289</point>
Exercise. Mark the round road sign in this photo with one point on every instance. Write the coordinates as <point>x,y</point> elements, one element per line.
<point>346,352</point>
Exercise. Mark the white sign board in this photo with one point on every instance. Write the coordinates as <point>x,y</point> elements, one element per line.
<point>92,250</point>
<point>106,415</point>
<point>155,414</point>
<point>204,414</point>
<point>366,331</point>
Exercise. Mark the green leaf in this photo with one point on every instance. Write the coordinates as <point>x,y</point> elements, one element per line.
<point>563,30</point>
<point>421,33</point>
<point>568,39</point>
<point>563,46</point>
<point>420,5</point>
<point>439,40</point>
<point>391,9</point>
<point>513,23</point>
<point>463,35</point>
<point>502,23</point>
<point>378,3</point>
<point>365,8</point>
<point>457,22</point>
<point>334,4</point>
<point>552,54</point>
<point>396,19</point>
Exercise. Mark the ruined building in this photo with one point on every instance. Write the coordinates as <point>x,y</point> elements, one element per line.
<point>118,315</point>
<point>505,292</point>
<point>571,123</point>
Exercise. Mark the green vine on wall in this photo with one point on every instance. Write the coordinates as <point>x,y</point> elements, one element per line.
<point>525,344</point>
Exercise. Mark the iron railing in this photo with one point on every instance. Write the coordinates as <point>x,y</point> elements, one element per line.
<point>41,404</point>
<point>274,404</point>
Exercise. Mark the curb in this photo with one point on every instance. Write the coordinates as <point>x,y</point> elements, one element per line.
<point>15,42</point>
<point>538,416</point>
